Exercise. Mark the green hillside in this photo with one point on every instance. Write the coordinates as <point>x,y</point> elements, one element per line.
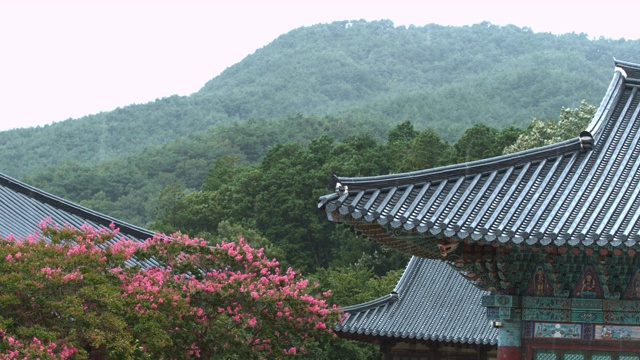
<point>447,78</point>
<point>128,187</point>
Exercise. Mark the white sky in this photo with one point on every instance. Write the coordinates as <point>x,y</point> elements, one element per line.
<point>63,59</point>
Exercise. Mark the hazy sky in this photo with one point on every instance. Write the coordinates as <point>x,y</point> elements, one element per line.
<point>63,59</point>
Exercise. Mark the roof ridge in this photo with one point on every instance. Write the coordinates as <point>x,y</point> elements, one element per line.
<point>608,104</point>
<point>58,202</point>
<point>381,301</point>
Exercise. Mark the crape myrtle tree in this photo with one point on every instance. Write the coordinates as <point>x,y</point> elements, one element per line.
<point>75,293</point>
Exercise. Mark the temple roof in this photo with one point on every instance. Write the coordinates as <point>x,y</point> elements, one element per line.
<point>583,192</point>
<point>430,302</point>
<point>23,207</point>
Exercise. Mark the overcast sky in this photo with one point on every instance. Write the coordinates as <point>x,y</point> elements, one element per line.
<point>63,59</point>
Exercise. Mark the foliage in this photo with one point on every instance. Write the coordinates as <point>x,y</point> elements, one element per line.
<point>539,133</point>
<point>70,294</point>
<point>275,198</point>
<point>446,78</point>
<point>482,142</point>
<point>356,284</point>
<point>128,188</point>
<point>425,151</point>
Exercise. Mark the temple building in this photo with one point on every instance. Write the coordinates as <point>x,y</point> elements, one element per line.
<point>548,237</point>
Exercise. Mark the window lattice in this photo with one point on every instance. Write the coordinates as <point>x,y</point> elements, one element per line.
<point>629,357</point>
<point>587,355</point>
<point>600,357</point>
<point>543,355</point>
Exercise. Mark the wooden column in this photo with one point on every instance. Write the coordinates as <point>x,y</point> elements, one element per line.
<point>510,340</point>
<point>385,349</point>
<point>509,352</point>
<point>505,313</point>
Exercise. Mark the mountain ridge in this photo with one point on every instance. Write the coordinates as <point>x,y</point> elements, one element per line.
<point>443,77</point>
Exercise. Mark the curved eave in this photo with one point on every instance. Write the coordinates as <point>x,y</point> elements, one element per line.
<point>582,143</point>
<point>631,70</point>
<point>381,301</point>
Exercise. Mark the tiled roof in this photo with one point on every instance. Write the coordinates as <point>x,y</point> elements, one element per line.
<point>23,207</point>
<point>583,192</point>
<point>430,302</point>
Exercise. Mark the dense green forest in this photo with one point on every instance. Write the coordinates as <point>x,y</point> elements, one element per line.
<point>445,78</point>
<point>128,187</point>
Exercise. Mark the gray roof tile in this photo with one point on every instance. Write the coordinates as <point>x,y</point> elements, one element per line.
<point>430,302</point>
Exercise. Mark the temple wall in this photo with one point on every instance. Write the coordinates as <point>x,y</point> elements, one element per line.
<point>565,328</point>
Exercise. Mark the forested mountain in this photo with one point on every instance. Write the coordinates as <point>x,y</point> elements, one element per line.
<point>446,78</point>
<point>128,187</point>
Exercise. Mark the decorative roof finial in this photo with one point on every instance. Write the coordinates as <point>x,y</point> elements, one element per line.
<point>341,190</point>
<point>621,70</point>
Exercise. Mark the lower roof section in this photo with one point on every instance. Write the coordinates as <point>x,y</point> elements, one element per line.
<point>23,207</point>
<point>431,302</point>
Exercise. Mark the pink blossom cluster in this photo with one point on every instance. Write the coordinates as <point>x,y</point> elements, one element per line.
<point>210,299</point>
<point>16,349</point>
<point>241,288</point>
